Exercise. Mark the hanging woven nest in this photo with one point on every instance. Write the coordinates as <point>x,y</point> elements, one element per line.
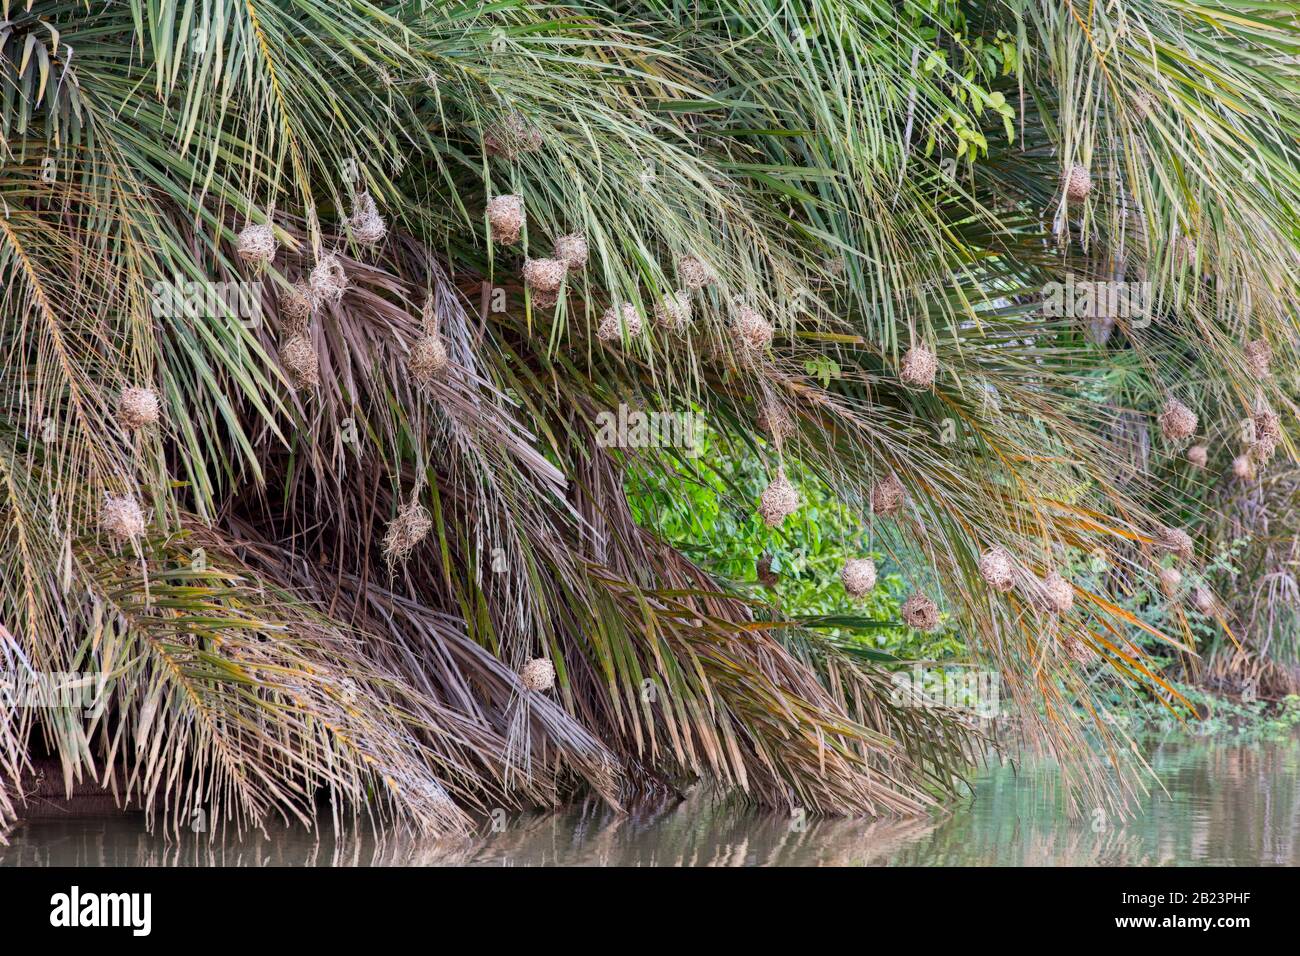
<point>1243,466</point>
<point>858,576</point>
<point>763,571</point>
<point>673,313</point>
<point>328,280</point>
<point>778,501</point>
<point>138,408</point>
<point>774,421</point>
<point>1176,541</point>
<point>752,332</point>
<point>1198,456</point>
<point>538,674</point>
<point>1078,183</point>
<point>1171,579</point>
<point>1259,358</point>
<point>122,518</point>
<point>406,531</point>
<point>428,359</point>
<point>295,308</point>
<point>617,320</point>
<point>1177,422</point>
<point>695,275</point>
<point>887,495</point>
<point>919,368</point>
<point>572,251</point>
<point>257,244</point>
<point>506,216</point>
<point>544,300</point>
<point>366,225</point>
<point>1202,599</point>
<point>298,357</point>
<point>1055,593</point>
<point>1078,650</point>
<point>1267,430</point>
<point>512,137</point>
<point>998,569</point>
<point>919,612</point>
<point>544,275</point>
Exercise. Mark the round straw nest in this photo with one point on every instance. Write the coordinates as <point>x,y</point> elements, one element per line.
<point>887,495</point>
<point>122,518</point>
<point>1055,593</point>
<point>1202,599</point>
<point>997,569</point>
<point>368,227</point>
<point>298,357</point>
<point>295,308</point>
<point>328,279</point>
<point>1078,183</point>
<point>1243,466</point>
<point>1171,579</point>
<point>1077,650</point>
<point>779,500</point>
<point>763,571</point>
<point>512,137</point>
<point>858,576</point>
<point>1267,433</point>
<point>919,612</point>
<point>1177,422</point>
<point>774,421</point>
<point>538,674</point>
<point>545,300</point>
<point>752,332</point>
<point>428,358</point>
<point>616,319</point>
<point>257,244</point>
<point>544,275</point>
<point>695,275</point>
<point>1259,357</point>
<point>919,368</point>
<point>1198,455</point>
<point>572,251</point>
<point>506,216</point>
<point>674,312</point>
<point>408,529</point>
<point>1176,541</point>
<point>138,408</point>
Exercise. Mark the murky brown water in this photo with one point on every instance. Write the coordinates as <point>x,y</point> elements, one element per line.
<point>1227,804</point>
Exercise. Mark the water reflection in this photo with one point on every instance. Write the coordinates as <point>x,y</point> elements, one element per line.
<point>1225,804</point>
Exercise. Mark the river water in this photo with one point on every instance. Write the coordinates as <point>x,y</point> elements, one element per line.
<point>1223,804</point>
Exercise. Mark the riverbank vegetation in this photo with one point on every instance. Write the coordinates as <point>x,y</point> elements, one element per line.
<point>314,315</point>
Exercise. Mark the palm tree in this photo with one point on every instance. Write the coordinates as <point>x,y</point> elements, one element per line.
<point>853,180</point>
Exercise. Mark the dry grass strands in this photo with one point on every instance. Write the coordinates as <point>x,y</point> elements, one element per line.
<point>997,569</point>
<point>367,226</point>
<point>1259,358</point>
<point>138,408</point>
<point>919,368</point>
<point>538,674</point>
<point>1177,422</point>
<point>122,518</point>
<point>572,251</point>
<point>695,275</point>
<point>295,308</point>
<point>1078,183</point>
<point>1176,541</point>
<point>406,531</point>
<point>1198,456</point>
<point>328,280</point>
<point>257,244</point>
<point>858,576</point>
<point>618,319</point>
<point>1171,579</point>
<point>919,612</point>
<point>774,421</point>
<point>298,358</point>
<point>778,501</point>
<point>673,312</point>
<point>544,275</point>
<point>506,216</point>
<point>887,495</point>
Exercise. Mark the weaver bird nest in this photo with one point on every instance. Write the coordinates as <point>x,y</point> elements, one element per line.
<point>1259,356</point>
<point>763,571</point>
<point>257,244</point>
<point>752,332</point>
<point>1266,427</point>
<point>1078,183</point>
<point>779,500</point>
<point>368,227</point>
<point>122,518</point>
<point>774,421</point>
<point>328,280</point>
<point>512,137</point>
<point>406,531</point>
<point>428,358</point>
<point>695,275</point>
<point>1171,579</point>
<point>544,275</point>
<point>858,576</point>
<point>919,612</point>
<point>298,357</point>
<point>1055,593</point>
<point>673,312</point>
<point>1243,466</point>
<point>506,216</point>
<point>1077,650</point>
<point>616,320</point>
<point>1177,422</point>
<point>538,674</point>
<point>919,368</point>
<point>997,569</point>
<point>572,251</point>
<point>1198,455</point>
<point>295,308</point>
<point>138,408</point>
<point>1176,541</point>
<point>1202,599</point>
<point>887,495</point>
